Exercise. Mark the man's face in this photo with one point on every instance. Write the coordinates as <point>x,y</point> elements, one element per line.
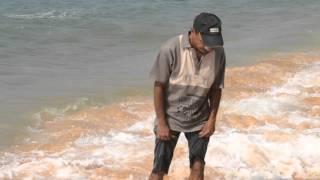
<point>199,44</point>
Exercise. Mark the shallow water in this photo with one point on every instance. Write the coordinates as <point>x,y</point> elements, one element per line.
<point>59,52</point>
<point>268,127</point>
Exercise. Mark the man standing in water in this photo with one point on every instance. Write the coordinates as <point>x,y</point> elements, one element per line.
<point>188,77</point>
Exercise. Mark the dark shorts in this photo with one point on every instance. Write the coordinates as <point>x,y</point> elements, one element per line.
<point>163,151</point>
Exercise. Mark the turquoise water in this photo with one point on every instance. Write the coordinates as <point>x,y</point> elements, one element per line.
<point>55,52</point>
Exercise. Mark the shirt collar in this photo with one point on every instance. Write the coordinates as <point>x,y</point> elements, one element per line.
<point>185,40</point>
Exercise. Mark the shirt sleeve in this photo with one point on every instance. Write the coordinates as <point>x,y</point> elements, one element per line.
<point>220,71</point>
<point>162,66</point>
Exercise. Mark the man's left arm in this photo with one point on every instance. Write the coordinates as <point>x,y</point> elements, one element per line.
<point>209,127</point>
<point>215,95</point>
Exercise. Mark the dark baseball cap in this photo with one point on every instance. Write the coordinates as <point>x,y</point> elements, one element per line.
<point>209,25</point>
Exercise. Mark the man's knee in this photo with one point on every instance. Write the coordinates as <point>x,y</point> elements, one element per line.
<point>198,165</point>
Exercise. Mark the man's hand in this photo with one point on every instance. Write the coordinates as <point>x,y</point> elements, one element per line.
<point>208,129</point>
<point>163,132</point>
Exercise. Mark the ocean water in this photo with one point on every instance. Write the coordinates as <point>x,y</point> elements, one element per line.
<point>82,65</point>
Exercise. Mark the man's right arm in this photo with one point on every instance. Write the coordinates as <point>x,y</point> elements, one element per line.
<point>160,73</point>
<point>163,131</point>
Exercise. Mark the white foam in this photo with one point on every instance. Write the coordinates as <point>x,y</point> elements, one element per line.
<point>281,101</point>
<point>315,131</point>
<point>308,148</point>
<point>53,14</point>
<point>142,126</point>
<point>119,146</point>
<point>230,153</point>
<point>113,150</point>
<point>308,77</point>
<point>297,118</point>
<point>64,172</point>
<point>129,106</point>
<point>54,113</point>
<point>262,105</point>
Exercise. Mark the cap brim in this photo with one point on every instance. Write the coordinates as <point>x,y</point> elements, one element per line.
<point>212,40</point>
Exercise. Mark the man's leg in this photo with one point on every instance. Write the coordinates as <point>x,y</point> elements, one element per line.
<point>163,153</point>
<point>197,151</point>
<point>197,170</point>
<point>156,176</point>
